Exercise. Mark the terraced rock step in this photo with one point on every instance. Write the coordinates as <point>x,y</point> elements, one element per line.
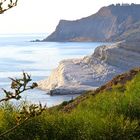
<point>76,76</point>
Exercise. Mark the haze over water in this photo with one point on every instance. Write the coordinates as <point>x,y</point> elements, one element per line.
<point>17,53</point>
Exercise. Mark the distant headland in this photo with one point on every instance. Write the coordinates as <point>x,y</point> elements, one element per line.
<point>111,23</point>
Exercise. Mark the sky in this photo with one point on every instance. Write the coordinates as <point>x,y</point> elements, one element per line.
<point>42,16</point>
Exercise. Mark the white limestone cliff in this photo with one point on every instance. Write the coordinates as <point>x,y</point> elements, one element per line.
<point>75,76</point>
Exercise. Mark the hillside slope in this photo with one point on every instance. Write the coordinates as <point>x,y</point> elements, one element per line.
<point>120,80</point>
<point>110,23</point>
<point>112,114</point>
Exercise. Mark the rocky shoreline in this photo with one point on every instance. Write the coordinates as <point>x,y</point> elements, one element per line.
<point>75,76</point>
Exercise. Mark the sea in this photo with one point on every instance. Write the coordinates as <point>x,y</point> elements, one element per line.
<point>18,53</point>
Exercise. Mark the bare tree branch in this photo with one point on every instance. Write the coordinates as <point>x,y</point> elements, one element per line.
<point>18,86</point>
<point>7,4</point>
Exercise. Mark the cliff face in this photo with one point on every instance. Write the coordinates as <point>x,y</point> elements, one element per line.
<point>108,24</point>
<point>78,75</point>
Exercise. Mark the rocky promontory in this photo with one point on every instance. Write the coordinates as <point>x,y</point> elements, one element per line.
<point>110,23</point>
<point>75,76</point>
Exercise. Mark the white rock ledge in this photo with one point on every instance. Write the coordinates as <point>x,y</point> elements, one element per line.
<point>74,76</point>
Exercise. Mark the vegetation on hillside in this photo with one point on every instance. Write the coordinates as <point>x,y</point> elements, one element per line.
<point>110,114</point>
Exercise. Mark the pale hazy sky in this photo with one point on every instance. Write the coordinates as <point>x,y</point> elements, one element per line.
<point>36,16</point>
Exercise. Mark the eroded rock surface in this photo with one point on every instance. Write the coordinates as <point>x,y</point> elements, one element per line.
<point>75,76</point>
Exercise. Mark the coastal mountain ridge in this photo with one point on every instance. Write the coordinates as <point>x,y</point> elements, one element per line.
<point>111,23</point>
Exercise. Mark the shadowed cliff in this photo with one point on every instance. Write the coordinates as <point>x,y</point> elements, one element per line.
<point>111,23</point>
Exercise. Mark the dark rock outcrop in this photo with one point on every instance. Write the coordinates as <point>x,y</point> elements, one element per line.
<point>111,23</point>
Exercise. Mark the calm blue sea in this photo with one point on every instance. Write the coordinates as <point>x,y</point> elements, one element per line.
<point>17,53</point>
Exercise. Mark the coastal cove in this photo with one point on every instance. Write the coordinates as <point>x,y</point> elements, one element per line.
<point>38,59</point>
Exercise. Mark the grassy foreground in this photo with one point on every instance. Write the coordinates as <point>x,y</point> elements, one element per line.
<point>110,115</point>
